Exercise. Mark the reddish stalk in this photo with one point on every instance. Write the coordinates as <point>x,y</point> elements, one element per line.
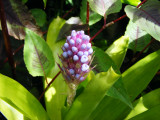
<point>87,17</point>
<point>67,13</point>
<point>49,85</point>
<point>6,39</point>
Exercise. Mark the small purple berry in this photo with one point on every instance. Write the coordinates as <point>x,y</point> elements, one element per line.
<point>80,53</point>
<point>84,59</point>
<point>82,32</point>
<point>68,38</point>
<point>65,54</point>
<point>83,46</point>
<point>72,42</point>
<point>78,41</point>
<point>75,58</point>
<point>77,76</point>
<point>69,52</point>
<point>85,67</point>
<point>88,45</point>
<point>90,51</point>
<point>86,53</point>
<point>66,45</point>
<point>74,49</point>
<point>81,78</point>
<point>63,49</point>
<point>73,34</point>
<point>71,71</point>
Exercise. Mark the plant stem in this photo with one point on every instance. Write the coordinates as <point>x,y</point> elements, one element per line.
<point>67,13</point>
<point>6,39</point>
<point>49,85</point>
<point>87,18</point>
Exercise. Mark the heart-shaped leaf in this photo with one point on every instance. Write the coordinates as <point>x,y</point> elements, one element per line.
<point>146,17</point>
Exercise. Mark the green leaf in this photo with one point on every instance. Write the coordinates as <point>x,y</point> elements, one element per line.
<point>40,16</point>
<point>55,96</point>
<point>93,17</point>
<point>145,103</point>
<point>117,50</point>
<point>151,114</point>
<point>147,17</point>
<point>105,7</point>
<point>88,100</point>
<point>19,98</point>
<point>131,2</point>
<point>45,3</point>
<point>135,79</point>
<point>37,54</point>
<point>138,38</point>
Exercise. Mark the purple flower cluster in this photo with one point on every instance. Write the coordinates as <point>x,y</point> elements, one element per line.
<point>76,57</point>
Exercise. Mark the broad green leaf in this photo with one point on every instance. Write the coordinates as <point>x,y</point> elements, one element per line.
<point>55,96</point>
<point>37,54</point>
<point>24,1</point>
<point>145,103</point>
<point>117,50</point>
<point>40,16</point>
<point>94,92</point>
<point>151,114</point>
<point>105,7</point>
<point>131,2</point>
<point>93,17</point>
<point>138,38</point>
<point>102,65</point>
<point>21,99</point>
<point>45,3</point>
<point>147,17</point>
<point>135,79</point>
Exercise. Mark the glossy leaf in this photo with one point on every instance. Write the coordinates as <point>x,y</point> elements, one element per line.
<point>147,17</point>
<point>55,96</point>
<point>105,7</point>
<point>117,50</point>
<point>40,16</point>
<point>138,38</point>
<point>151,114</point>
<point>93,17</point>
<point>144,103</point>
<point>135,79</point>
<point>45,3</point>
<point>37,54</point>
<point>19,98</point>
<point>131,2</point>
<point>94,92</point>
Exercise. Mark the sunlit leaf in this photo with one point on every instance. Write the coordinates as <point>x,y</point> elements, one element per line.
<point>105,7</point>
<point>37,55</point>
<point>94,92</point>
<point>146,17</point>
<point>138,38</point>
<point>55,96</point>
<point>20,99</point>
<point>131,2</point>
<point>93,17</point>
<point>135,79</point>
<point>145,103</point>
<point>45,3</point>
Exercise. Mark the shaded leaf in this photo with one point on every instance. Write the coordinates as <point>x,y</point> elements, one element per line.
<point>37,55</point>
<point>20,99</point>
<point>74,23</point>
<point>94,92</point>
<point>138,38</point>
<point>131,2</point>
<point>147,17</point>
<point>105,7</point>
<point>93,17</point>
<point>18,18</point>
<point>135,79</point>
<point>40,16</point>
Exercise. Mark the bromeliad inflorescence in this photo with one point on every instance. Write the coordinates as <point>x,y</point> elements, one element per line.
<point>76,59</point>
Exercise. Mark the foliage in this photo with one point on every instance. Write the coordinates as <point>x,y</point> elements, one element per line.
<point>109,92</point>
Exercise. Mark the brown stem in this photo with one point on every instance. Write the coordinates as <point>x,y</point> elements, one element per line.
<point>49,85</point>
<point>87,18</point>
<point>6,39</point>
